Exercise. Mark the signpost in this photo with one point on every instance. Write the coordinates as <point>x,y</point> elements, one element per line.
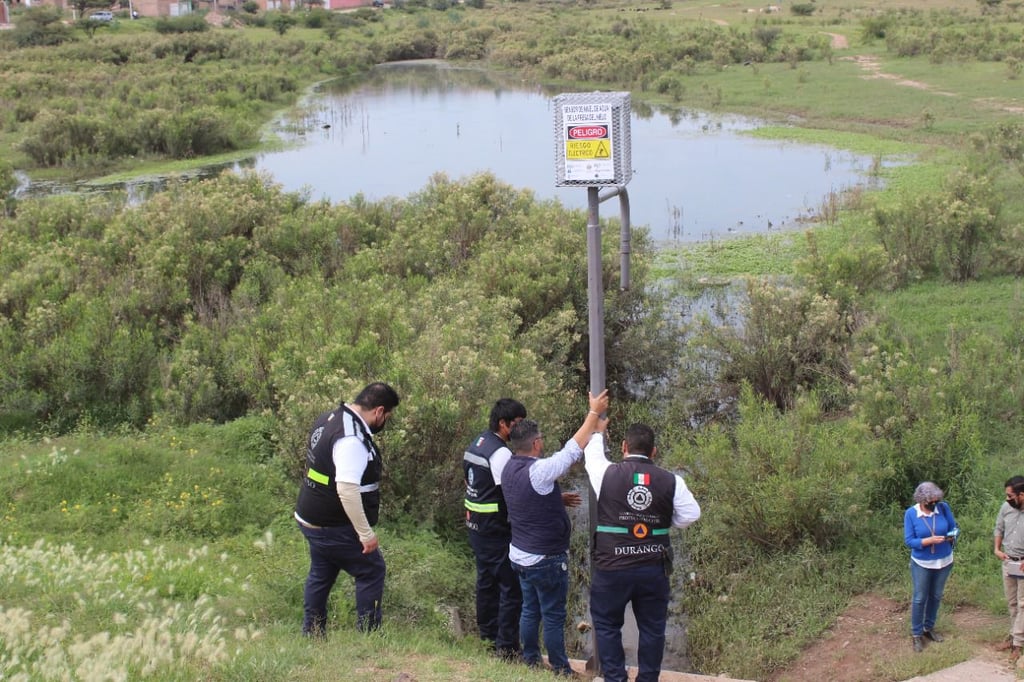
<point>592,150</point>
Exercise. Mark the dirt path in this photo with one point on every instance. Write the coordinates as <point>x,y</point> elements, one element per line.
<point>873,69</point>
<point>872,633</point>
<point>869,64</point>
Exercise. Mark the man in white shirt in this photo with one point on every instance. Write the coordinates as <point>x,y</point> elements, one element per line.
<point>637,503</point>
<point>339,502</point>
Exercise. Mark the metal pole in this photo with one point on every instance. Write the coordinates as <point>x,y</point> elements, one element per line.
<point>595,293</point>
<point>595,308</point>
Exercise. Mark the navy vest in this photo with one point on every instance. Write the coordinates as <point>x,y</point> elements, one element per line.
<point>634,514</point>
<point>540,524</point>
<point>318,495</point>
<point>485,505</point>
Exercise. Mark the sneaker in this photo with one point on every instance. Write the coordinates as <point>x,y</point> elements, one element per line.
<point>934,636</point>
<point>918,644</point>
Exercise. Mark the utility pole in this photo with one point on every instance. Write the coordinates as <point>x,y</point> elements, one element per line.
<point>592,143</point>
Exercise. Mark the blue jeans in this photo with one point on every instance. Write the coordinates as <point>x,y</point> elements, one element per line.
<point>929,584</point>
<point>332,550</point>
<point>499,598</point>
<point>647,587</point>
<point>545,588</point>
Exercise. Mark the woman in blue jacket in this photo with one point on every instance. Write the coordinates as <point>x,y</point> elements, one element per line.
<point>929,530</point>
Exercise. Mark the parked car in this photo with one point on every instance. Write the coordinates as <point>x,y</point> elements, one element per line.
<point>102,15</point>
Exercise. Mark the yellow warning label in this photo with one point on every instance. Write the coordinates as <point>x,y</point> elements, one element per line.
<point>587,149</point>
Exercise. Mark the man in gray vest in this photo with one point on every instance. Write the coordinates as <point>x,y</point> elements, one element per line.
<point>339,501</point>
<point>1009,547</point>
<point>539,550</point>
<point>499,600</point>
<point>637,503</point>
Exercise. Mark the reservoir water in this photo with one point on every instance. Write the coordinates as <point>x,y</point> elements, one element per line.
<point>697,176</point>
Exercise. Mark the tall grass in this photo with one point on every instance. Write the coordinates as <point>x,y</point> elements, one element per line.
<point>135,530</point>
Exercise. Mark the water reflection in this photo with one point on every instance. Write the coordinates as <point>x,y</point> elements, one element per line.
<point>696,175</point>
<point>135,190</point>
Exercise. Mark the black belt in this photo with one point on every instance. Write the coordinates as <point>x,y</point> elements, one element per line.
<point>1014,558</point>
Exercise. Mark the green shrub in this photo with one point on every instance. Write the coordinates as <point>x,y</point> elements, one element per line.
<point>280,22</point>
<point>846,274</point>
<point>945,234</point>
<point>186,23</point>
<point>316,18</point>
<point>40,26</point>
<point>874,28</point>
<point>788,339</point>
<point>762,484</point>
<point>927,421</point>
<point>8,183</point>
<point>766,35</point>
<point>803,9</point>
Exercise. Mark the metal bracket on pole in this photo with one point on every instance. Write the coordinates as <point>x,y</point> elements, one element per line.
<point>625,233</point>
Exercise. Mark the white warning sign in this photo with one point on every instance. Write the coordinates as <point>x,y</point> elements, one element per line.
<point>588,142</point>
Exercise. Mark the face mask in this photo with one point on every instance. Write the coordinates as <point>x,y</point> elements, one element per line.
<point>377,428</point>
<point>929,506</point>
<point>1014,503</point>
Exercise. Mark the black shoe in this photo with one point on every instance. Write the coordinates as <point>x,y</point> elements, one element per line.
<point>918,644</point>
<point>934,636</point>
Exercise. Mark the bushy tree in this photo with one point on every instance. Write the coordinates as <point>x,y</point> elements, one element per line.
<point>186,23</point>
<point>281,22</point>
<point>782,339</point>
<point>944,234</point>
<point>38,26</point>
<point>776,481</point>
<point>926,420</point>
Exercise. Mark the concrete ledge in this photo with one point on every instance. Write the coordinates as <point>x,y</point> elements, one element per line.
<point>666,675</point>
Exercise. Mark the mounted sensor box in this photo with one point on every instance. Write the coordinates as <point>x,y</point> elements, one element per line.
<point>592,143</point>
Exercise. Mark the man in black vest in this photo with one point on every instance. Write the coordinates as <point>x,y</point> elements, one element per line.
<point>499,601</point>
<point>339,501</point>
<point>637,503</point>
<point>539,550</point>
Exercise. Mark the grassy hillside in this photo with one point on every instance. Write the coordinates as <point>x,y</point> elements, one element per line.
<point>163,361</point>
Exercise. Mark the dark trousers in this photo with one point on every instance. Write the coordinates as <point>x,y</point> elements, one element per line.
<point>499,599</point>
<point>647,588</point>
<point>336,549</point>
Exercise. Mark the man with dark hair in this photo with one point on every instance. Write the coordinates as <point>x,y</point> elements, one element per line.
<point>1009,547</point>
<point>339,501</point>
<point>637,504</point>
<point>499,600</point>
<point>539,550</point>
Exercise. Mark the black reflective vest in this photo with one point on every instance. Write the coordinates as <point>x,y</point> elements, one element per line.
<point>634,514</point>
<point>486,512</point>
<point>318,501</point>
<point>540,524</point>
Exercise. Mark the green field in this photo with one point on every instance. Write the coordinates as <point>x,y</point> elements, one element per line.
<point>163,361</point>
